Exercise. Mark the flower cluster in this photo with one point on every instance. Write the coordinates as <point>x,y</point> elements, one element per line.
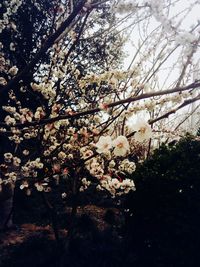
<point>46,90</point>
<point>127,166</point>
<point>85,184</point>
<point>116,187</point>
<point>120,145</point>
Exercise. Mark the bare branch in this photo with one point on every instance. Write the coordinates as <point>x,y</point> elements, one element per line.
<point>166,115</point>
<point>95,110</point>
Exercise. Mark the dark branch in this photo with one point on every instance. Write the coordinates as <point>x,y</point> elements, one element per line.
<point>95,110</point>
<point>49,42</point>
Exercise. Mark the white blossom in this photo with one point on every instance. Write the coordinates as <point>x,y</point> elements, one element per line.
<point>142,128</point>
<point>121,146</point>
<point>8,157</point>
<point>62,155</point>
<point>13,71</point>
<point>104,144</point>
<point>24,185</point>
<point>143,131</point>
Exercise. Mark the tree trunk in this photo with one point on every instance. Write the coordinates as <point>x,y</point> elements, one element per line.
<point>6,206</point>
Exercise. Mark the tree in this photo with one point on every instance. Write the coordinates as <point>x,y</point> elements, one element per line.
<point>67,106</point>
<point>23,35</point>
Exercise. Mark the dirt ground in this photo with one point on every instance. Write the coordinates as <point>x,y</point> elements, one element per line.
<point>12,238</point>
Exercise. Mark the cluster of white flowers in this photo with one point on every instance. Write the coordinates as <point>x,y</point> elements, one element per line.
<point>116,187</point>
<point>112,77</point>
<point>11,7</point>
<point>9,109</point>
<point>24,115</point>
<point>9,120</point>
<point>95,167</point>
<point>39,114</point>
<point>152,105</point>
<point>11,177</point>
<point>49,130</point>
<point>110,178</point>
<point>46,90</point>
<point>9,158</point>
<point>85,184</point>
<point>120,144</point>
<point>86,153</point>
<point>184,38</point>
<point>31,167</point>
<point>157,8</point>
<point>40,186</point>
<point>188,41</point>
<point>127,166</point>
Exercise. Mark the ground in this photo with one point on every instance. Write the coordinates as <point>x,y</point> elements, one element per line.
<point>23,235</point>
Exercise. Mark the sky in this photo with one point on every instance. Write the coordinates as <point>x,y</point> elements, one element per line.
<point>187,19</point>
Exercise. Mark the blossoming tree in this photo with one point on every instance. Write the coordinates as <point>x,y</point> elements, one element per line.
<point>69,110</point>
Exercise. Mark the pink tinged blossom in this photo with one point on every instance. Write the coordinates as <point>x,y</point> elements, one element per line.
<point>65,173</point>
<point>56,168</point>
<point>104,106</point>
<point>86,154</point>
<point>121,146</point>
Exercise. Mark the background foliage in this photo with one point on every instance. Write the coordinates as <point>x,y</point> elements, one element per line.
<point>164,212</point>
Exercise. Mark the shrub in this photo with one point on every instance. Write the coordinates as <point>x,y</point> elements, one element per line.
<point>164,212</point>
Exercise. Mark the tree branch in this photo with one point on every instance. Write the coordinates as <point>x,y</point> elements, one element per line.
<point>166,115</point>
<point>95,110</point>
<point>49,42</point>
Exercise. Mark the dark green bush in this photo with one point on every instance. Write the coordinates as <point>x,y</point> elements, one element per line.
<point>164,212</point>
